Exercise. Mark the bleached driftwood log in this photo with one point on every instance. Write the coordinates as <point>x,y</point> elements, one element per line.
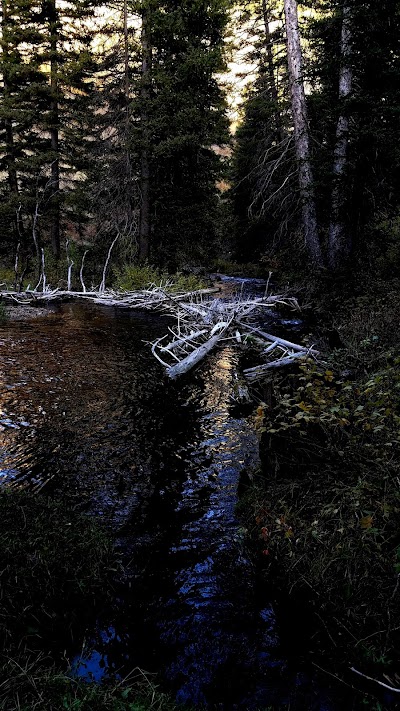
<point>194,357</point>
<point>202,323</point>
<point>202,326</point>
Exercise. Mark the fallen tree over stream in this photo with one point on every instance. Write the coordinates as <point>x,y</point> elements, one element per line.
<point>202,322</point>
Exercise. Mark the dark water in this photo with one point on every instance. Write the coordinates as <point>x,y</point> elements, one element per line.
<point>86,410</point>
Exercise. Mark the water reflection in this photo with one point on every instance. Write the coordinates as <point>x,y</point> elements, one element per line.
<point>85,411</point>
<point>192,612</point>
<point>81,401</point>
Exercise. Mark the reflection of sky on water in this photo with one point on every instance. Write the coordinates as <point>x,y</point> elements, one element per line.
<point>94,666</point>
<point>199,599</point>
<point>161,463</point>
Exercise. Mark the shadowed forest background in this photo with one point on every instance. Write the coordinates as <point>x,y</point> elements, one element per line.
<point>168,144</point>
<point>115,124</point>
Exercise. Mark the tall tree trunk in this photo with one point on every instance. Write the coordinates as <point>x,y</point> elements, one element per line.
<point>270,68</point>
<point>144,225</point>
<point>339,241</point>
<point>54,133</point>
<point>301,133</point>
<point>126,70</point>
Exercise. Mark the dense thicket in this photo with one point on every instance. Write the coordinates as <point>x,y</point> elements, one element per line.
<point>351,74</point>
<point>110,116</point>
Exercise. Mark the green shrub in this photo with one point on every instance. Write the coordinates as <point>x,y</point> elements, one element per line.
<point>136,277</point>
<point>327,513</point>
<point>7,278</point>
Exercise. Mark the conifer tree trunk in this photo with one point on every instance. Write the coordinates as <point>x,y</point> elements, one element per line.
<point>301,133</point>
<point>129,207</point>
<point>145,223</point>
<point>54,133</point>
<point>339,242</point>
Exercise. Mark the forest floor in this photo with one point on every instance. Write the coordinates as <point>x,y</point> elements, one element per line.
<point>324,513</point>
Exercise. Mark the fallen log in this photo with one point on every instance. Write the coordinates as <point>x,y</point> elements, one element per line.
<point>218,320</point>
<point>183,341</point>
<point>259,371</point>
<point>202,323</point>
<point>195,357</point>
<point>281,341</point>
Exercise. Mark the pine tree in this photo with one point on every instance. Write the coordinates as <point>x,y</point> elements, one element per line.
<point>21,103</point>
<point>352,77</point>
<point>67,37</point>
<point>264,192</point>
<point>47,68</point>
<point>182,112</point>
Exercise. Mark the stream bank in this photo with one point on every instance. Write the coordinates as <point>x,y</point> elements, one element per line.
<point>327,507</point>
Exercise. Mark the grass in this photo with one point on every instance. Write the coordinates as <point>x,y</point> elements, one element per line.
<point>56,574</point>
<point>132,277</point>
<point>38,687</point>
<point>52,561</point>
<point>128,277</point>
<point>3,313</point>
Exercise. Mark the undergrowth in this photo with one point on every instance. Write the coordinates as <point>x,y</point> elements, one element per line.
<point>128,277</point>
<point>132,277</point>
<point>57,569</point>
<point>326,511</point>
<point>38,687</point>
<point>3,313</point>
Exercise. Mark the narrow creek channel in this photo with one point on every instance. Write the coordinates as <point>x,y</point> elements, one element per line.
<point>86,410</point>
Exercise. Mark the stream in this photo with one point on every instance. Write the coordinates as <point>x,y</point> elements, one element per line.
<point>87,411</point>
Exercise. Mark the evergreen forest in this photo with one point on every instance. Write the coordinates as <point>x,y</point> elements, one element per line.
<point>118,122</point>
<point>229,539</point>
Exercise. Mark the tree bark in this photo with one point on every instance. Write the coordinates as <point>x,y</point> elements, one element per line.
<point>126,72</point>
<point>339,241</point>
<point>145,208</point>
<point>301,134</point>
<point>54,133</point>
